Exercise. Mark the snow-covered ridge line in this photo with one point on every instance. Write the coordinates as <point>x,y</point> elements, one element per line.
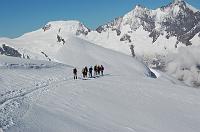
<point>59,27</point>
<point>154,34</point>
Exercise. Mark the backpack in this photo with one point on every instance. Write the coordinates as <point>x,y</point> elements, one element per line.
<point>74,71</point>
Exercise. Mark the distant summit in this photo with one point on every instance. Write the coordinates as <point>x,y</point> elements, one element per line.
<point>174,20</point>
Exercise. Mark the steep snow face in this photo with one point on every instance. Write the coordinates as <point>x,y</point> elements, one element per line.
<point>140,39</point>
<point>81,52</point>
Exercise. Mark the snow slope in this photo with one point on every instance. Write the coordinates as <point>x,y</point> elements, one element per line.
<point>80,53</point>
<point>43,45</point>
<point>140,39</point>
<point>44,97</point>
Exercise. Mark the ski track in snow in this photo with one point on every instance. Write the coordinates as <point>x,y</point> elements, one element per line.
<point>12,101</point>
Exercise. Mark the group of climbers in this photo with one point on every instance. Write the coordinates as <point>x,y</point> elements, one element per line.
<point>98,70</point>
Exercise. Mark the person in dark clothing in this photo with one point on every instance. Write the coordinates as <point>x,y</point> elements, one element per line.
<point>98,70</point>
<point>95,70</point>
<point>102,69</point>
<point>83,72</point>
<point>75,73</point>
<point>86,71</point>
<point>90,72</point>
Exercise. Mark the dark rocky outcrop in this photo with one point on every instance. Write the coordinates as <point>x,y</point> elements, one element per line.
<point>9,51</point>
<point>126,37</point>
<point>154,34</point>
<point>46,27</point>
<point>46,56</point>
<point>100,29</point>
<point>82,30</point>
<point>113,25</point>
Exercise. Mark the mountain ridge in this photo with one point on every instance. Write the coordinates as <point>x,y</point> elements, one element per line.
<point>152,32</point>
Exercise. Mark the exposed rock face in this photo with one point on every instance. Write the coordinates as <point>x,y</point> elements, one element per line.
<point>126,37</point>
<point>46,27</point>
<point>46,56</point>
<point>114,25</point>
<point>82,30</point>
<point>9,51</point>
<point>177,19</point>
<point>185,38</point>
<point>154,34</point>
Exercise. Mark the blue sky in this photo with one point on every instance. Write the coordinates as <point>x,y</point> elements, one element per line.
<point>20,16</point>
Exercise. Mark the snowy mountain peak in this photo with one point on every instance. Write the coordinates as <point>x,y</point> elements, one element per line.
<point>139,10</point>
<point>62,24</point>
<point>71,26</point>
<point>181,4</point>
<point>69,22</point>
<point>139,7</point>
<point>178,1</point>
<point>63,28</point>
<point>173,20</point>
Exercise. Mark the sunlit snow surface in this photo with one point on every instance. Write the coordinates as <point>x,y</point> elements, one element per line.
<point>42,96</point>
<point>38,96</point>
